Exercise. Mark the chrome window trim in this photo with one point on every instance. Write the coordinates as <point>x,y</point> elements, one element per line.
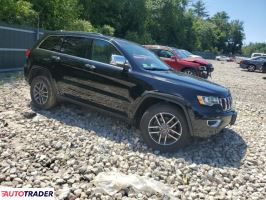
<point>85,59</point>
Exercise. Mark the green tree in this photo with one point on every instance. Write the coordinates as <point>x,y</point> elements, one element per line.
<point>236,36</point>
<point>57,14</point>
<point>222,29</point>
<point>205,35</point>
<point>17,12</point>
<point>199,9</point>
<point>253,48</point>
<point>81,25</point>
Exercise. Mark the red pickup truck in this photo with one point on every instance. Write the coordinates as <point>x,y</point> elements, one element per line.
<point>180,61</point>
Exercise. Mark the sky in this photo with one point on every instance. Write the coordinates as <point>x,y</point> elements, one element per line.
<point>251,12</point>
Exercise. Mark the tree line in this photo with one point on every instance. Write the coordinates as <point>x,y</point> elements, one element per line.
<point>177,23</point>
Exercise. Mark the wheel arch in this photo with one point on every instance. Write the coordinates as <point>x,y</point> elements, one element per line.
<point>38,71</point>
<point>189,67</point>
<point>152,99</point>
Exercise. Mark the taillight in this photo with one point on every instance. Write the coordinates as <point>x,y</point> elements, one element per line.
<point>27,53</point>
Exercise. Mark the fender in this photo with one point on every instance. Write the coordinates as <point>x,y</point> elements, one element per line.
<point>35,69</point>
<point>174,99</point>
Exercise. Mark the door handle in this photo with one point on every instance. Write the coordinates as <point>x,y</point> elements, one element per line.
<point>90,66</point>
<point>56,58</point>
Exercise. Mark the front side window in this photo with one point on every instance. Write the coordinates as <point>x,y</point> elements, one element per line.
<point>102,51</point>
<point>52,43</point>
<point>76,46</point>
<point>165,54</point>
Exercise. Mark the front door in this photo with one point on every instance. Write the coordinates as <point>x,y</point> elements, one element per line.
<point>169,58</point>
<point>109,85</point>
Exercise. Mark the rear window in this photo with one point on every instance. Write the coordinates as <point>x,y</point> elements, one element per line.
<point>52,43</point>
<point>76,46</point>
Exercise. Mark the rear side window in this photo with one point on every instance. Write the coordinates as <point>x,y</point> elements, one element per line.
<point>52,43</point>
<point>76,46</point>
<point>102,51</point>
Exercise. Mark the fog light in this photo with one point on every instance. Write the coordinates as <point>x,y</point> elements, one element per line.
<point>214,123</point>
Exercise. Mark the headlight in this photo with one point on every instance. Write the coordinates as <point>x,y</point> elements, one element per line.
<point>208,101</point>
<point>202,68</point>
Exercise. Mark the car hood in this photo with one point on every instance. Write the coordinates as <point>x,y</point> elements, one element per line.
<point>201,86</point>
<point>200,61</point>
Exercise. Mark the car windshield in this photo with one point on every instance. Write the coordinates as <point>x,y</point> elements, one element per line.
<point>180,53</point>
<point>186,52</point>
<point>143,57</point>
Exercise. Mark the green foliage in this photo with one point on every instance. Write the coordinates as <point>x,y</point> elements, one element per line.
<point>254,48</point>
<point>17,12</point>
<point>57,14</point>
<point>81,25</point>
<point>199,9</point>
<point>165,22</point>
<point>107,30</point>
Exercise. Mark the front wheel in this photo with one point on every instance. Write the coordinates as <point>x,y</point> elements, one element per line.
<point>251,68</point>
<point>42,93</point>
<point>190,72</point>
<point>164,128</point>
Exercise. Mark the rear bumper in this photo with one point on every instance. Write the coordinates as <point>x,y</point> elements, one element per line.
<point>206,126</point>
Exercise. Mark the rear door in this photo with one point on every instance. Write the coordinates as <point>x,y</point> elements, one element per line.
<point>47,53</point>
<point>73,59</point>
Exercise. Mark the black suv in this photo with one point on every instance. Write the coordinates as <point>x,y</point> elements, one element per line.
<point>125,79</point>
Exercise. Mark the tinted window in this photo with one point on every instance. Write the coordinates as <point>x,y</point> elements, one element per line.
<point>165,54</point>
<point>52,43</point>
<point>102,51</point>
<point>76,46</point>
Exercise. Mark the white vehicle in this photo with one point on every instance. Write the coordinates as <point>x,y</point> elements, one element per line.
<point>224,58</point>
<point>257,54</point>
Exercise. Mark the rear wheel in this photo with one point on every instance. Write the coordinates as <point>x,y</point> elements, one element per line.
<point>251,68</point>
<point>164,128</point>
<point>42,93</point>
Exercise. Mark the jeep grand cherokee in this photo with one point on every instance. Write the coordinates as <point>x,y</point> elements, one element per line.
<point>129,81</point>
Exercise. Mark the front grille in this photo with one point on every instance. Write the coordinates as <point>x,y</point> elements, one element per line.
<point>226,103</point>
<point>209,68</point>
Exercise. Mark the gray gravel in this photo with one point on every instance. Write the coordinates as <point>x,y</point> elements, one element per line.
<point>67,147</point>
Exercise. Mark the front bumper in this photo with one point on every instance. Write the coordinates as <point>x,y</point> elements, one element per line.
<point>243,66</point>
<point>206,126</point>
<point>205,71</point>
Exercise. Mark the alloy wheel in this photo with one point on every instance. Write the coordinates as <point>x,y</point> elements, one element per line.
<point>165,129</point>
<point>40,92</point>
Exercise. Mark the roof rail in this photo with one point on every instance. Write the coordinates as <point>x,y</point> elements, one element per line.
<point>82,32</point>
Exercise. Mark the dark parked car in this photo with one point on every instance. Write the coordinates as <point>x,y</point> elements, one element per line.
<point>253,64</point>
<point>180,61</point>
<point>129,81</point>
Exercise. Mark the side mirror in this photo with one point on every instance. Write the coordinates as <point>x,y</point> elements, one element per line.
<point>120,61</point>
<point>173,57</point>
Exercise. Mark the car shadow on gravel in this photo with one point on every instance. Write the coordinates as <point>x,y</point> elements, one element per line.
<point>226,149</point>
<point>223,150</point>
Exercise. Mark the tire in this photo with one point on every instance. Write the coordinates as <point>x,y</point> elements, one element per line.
<point>164,139</point>
<point>251,68</point>
<point>42,93</point>
<point>190,71</point>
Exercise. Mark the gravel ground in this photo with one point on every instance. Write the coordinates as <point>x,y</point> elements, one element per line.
<point>67,147</point>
